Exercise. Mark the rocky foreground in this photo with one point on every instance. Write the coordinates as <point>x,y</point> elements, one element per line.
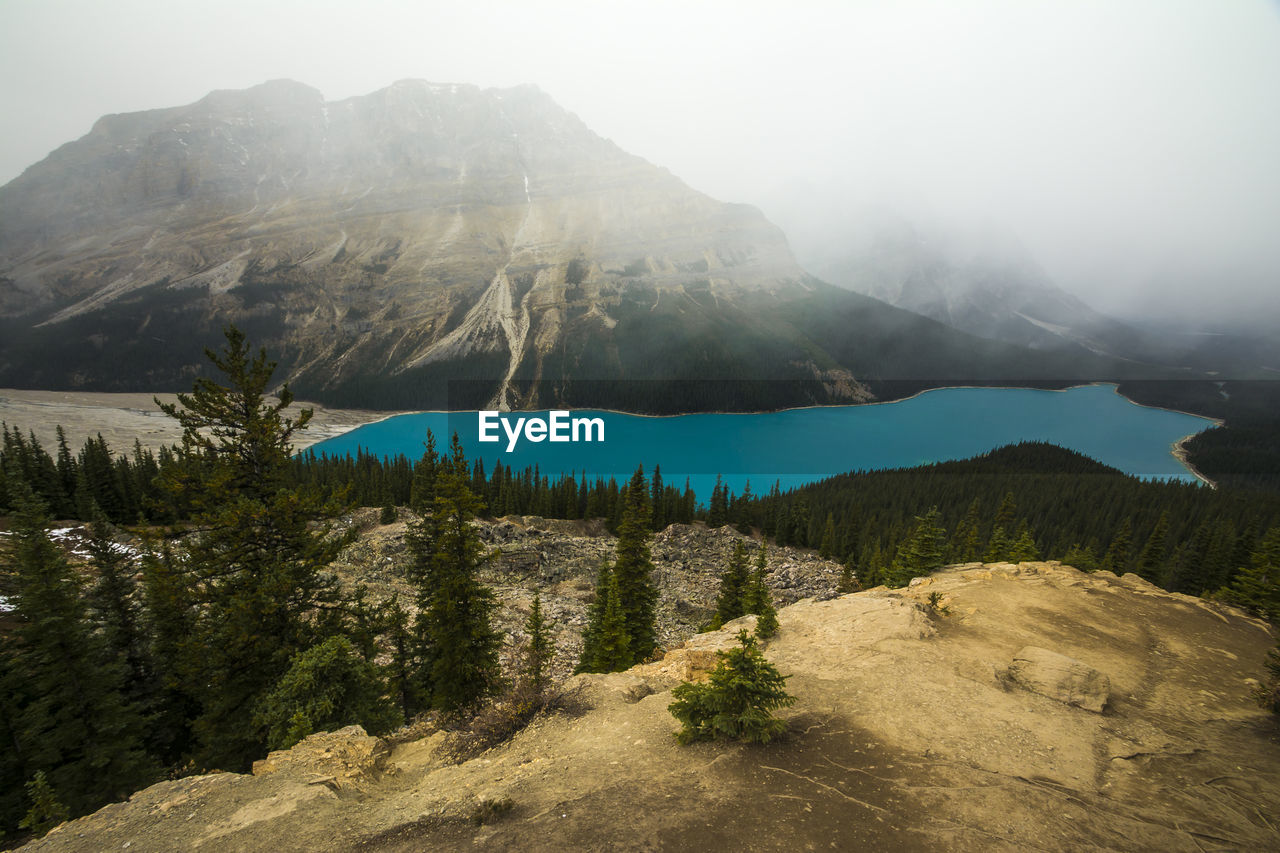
<point>1046,709</point>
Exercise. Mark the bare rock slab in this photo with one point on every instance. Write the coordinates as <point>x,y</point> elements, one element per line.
<point>1060,677</point>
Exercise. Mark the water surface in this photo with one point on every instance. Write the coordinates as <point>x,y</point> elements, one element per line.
<point>802,445</point>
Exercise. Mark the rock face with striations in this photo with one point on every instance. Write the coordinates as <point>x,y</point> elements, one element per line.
<point>419,225</point>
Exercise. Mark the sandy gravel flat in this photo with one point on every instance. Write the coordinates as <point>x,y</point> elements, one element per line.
<point>121,418</point>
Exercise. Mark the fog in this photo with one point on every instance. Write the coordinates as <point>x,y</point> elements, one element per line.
<point>1133,148</point>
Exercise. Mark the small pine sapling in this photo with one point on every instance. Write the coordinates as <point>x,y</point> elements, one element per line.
<point>736,702</point>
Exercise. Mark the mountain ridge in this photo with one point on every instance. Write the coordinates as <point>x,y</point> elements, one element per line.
<point>386,245</point>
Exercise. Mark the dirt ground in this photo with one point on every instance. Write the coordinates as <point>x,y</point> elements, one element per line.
<point>122,418</point>
<point>907,735</point>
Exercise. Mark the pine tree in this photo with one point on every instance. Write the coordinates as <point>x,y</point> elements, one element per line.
<point>46,811</point>
<point>327,687</point>
<point>718,508</point>
<point>459,653</point>
<point>656,502</point>
<point>1023,547</point>
<point>757,599</point>
<point>540,649</point>
<point>634,568</point>
<point>1000,544</point>
<point>799,521</point>
<point>76,723</point>
<point>1256,587</point>
<point>1151,562</point>
<point>171,613</point>
<point>114,602</point>
<point>606,647</point>
<point>423,490</point>
<point>736,702</point>
<point>1116,559</point>
<point>921,553</point>
<point>999,547</point>
<point>257,564</point>
<point>733,582</point>
<point>966,543</point>
<point>14,769</point>
<point>848,577</point>
<point>827,547</point>
<point>613,650</point>
<point>874,571</point>
<point>1082,557</point>
<point>403,665</point>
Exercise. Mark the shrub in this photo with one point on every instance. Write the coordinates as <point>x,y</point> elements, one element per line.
<point>737,700</point>
<point>500,720</point>
<point>328,686</point>
<point>46,811</point>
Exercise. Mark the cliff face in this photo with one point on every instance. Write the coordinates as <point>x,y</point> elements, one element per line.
<point>421,224</point>
<point>914,730</point>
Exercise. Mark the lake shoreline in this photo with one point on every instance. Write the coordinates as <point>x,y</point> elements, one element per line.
<point>126,416</point>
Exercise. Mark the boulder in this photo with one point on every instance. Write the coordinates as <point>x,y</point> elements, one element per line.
<point>600,689</point>
<point>336,758</point>
<point>1060,677</point>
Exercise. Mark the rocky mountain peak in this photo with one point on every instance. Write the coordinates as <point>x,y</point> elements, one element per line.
<point>442,215</point>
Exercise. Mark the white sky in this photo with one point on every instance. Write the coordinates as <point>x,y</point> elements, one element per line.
<point>1131,144</point>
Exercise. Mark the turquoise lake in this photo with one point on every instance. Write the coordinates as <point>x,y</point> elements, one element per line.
<point>802,445</point>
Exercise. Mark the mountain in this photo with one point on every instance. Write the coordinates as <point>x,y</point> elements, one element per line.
<point>985,284</point>
<point>426,246</point>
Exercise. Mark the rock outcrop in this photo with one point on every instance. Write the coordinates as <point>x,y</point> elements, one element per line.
<point>560,558</point>
<point>1060,677</point>
<point>907,735</point>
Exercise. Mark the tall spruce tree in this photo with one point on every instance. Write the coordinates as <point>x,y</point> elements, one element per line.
<point>828,545</point>
<point>657,502</point>
<point>114,602</point>
<point>170,608</point>
<point>1023,547</point>
<point>540,649</point>
<point>733,583</point>
<point>1117,557</point>
<point>1151,562</point>
<point>458,660</point>
<point>606,647</point>
<point>718,507</point>
<point>257,562</point>
<point>757,599</point>
<point>633,567</point>
<point>1256,587</point>
<point>966,543</point>
<point>922,553</point>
